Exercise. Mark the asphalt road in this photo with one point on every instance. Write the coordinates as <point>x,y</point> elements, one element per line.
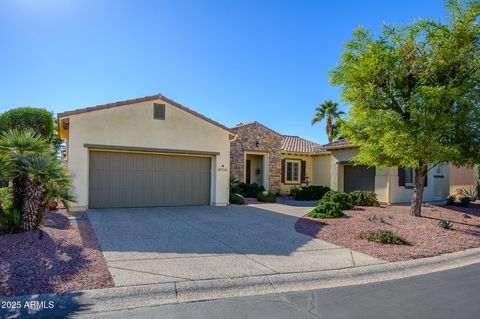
<point>453,294</point>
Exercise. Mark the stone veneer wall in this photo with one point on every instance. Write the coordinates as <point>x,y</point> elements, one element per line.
<point>268,141</point>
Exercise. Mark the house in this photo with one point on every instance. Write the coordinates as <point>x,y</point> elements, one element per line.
<point>149,151</point>
<point>280,162</point>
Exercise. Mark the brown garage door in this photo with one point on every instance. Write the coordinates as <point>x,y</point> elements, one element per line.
<point>146,180</point>
<point>359,178</point>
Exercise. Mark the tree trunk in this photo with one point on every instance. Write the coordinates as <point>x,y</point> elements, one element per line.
<point>329,129</point>
<point>18,190</point>
<point>416,206</point>
<point>34,194</point>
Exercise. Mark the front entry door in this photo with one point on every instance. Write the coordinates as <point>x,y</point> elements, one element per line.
<point>248,170</point>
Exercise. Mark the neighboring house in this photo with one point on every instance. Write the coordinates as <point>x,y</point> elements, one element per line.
<point>145,152</point>
<point>280,162</point>
<point>461,178</point>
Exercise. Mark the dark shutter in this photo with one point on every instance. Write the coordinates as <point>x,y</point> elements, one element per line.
<point>302,171</point>
<point>401,176</point>
<point>426,177</point>
<point>158,111</point>
<point>283,171</point>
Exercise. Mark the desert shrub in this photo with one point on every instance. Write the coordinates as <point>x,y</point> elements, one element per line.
<point>326,209</point>
<point>364,198</point>
<point>237,199</point>
<point>445,224</point>
<point>250,190</point>
<point>39,120</point>
<point>470,193</point>
<point>312,192</point>
<point>383,237</point>
<point>343,199</point>
<point>267,197</point>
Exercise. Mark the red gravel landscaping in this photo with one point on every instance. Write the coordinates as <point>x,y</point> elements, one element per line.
<point>66,258</point>
<point>426,237</point>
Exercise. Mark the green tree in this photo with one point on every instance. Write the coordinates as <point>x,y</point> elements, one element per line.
<point>22,118</point>
<point>328,110</point>
<point>414,93</point>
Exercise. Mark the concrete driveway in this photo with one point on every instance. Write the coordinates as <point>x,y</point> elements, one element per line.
<point>172,244</point>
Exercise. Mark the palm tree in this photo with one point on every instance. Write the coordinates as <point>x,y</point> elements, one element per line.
<point>328,110</point>
<point>14,145</point>
<point>46,180</point>
<point>37,175</point>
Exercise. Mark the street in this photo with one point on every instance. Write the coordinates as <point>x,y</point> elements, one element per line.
<point>448,294</point>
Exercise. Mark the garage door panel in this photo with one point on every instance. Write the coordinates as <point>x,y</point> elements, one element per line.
<point>359,178</point>
<point>143,180</point>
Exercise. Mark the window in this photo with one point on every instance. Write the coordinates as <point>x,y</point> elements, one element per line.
<point>158,111</point>
<point>409,176</point>
<point>439,169</point>
<point>292,169</point>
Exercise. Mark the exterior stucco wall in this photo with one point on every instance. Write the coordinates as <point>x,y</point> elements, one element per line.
<point>321,170</point>
<point>386,180</point>
<point>437,187</point>
<point>269,144</point>
<point>133,125</point>
<point>461,177</point>
<point>285,188</point>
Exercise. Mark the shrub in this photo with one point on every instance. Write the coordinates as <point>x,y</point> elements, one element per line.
<point>312,192</point>
<point>326,209</point>
<point>294,190</point>
<point>39,120</point>
<point>237,199</point>
<point>450,200</point>
<point>445,224</point>
<point>343,199</point>
<point>383,237</point>
<point>250,190</point>
<point>267,197</point>
<point>464,201</point>
<point>11,218</point>
<point>234,185</point>
<point>364,198</point>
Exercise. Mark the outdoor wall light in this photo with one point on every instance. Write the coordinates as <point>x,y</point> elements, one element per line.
<point>257,143</point>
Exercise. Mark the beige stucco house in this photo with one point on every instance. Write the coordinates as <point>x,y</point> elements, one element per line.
<point>279,162</point>
<point>149,151</point>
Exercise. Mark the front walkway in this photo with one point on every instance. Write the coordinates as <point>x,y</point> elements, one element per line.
<point>178,244</point>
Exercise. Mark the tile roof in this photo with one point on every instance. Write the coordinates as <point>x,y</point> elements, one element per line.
<point>139,100</point>
<point>297,144</point>
<point>240,125</point>
<point>343,143</point>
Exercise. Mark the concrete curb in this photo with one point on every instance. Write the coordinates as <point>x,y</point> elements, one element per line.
<point>92,301</point>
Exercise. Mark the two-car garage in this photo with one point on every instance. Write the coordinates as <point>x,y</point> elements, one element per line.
<point>145,152</point>
<point>123,179</point>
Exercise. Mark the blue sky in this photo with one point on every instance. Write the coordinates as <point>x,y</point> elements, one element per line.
<point>234,61</point>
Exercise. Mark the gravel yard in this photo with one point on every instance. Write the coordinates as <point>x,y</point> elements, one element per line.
<point>426,237</point>
<point>65,256</point>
